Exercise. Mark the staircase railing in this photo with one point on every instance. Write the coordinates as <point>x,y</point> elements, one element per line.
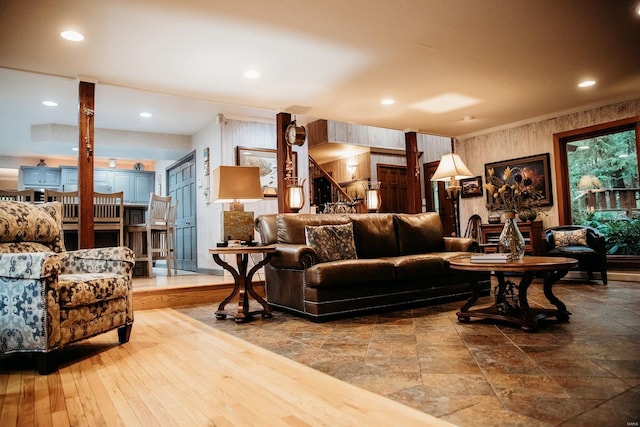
<point>338,196</point>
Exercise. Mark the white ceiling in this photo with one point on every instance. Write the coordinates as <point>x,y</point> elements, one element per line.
<point>183,61</point>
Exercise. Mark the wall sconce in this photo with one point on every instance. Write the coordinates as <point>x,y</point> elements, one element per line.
<point>451,169</point>
<point>295,194</point>
<point>372,192</point>
<point>112,163</point>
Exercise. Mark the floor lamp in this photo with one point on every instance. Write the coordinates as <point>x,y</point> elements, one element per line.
<point>451,169</point>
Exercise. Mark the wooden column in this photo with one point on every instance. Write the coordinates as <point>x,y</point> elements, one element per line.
<point>414,200</point>
<point>282,151</point>
<point>85,165</point>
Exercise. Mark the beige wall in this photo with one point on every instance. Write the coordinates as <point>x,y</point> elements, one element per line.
<point>529,139</point>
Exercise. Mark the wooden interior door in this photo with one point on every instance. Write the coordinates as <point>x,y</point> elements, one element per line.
<point>181,185</point>
<point>438,198</point>
<point>393,189</point>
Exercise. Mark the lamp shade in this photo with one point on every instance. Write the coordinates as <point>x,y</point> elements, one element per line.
<point>236,183</point>
<point>451,168</point>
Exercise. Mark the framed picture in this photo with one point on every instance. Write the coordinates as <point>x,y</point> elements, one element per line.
<point>266,160</point>
<point>534,167</point>
<point>471,187</point>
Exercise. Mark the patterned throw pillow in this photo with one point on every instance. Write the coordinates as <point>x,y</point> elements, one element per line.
<point>570,238</point>
<point>331,242</point>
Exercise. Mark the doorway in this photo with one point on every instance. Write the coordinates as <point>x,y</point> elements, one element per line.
<point>393,190</point>
<point>181,186</point>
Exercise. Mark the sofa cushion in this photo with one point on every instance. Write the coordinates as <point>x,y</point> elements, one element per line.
<point>570,238</point>
<point>331,242</point>
<point>350,272</point>
<point>291,226</point>
<point>419,233</point>
<point>23,247</point>
<point>411,267</point>
<point>77,290</point>
<point>375,235</point>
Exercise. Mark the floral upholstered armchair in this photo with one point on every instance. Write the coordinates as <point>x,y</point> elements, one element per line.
<point>49,297</point>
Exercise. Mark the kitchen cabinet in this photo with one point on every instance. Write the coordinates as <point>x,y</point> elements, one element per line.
<point>136,185</point>
<point>38,177</point>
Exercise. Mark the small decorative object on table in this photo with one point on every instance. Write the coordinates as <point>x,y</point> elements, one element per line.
<point>494,217</point>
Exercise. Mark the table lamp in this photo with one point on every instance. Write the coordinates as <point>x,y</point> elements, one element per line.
<point>234,185</point>
<point>451,169</point>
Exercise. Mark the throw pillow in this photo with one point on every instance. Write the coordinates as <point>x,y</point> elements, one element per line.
<point>331,242</point>
<point>570,238</point>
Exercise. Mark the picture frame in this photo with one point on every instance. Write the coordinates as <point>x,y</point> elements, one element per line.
<point>267,160</point>
<point>535,167</point>
<point>471,187</point>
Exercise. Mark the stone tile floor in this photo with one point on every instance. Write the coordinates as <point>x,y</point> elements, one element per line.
<point>582,373</point>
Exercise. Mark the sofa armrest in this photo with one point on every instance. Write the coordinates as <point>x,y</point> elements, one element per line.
<point>294,256</point>
<point>119,260</point>
<point>460,244</point>
<point>31,265</point>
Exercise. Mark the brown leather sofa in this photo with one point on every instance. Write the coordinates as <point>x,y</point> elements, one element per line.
<point>400,260</point>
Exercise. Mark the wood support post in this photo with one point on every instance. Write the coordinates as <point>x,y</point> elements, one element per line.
<point>414,199</point>
<point>86,97</point>
<point>283,151</point>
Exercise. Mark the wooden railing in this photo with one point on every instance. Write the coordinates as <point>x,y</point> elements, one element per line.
<point>626,201</point>
<point>339,201</point>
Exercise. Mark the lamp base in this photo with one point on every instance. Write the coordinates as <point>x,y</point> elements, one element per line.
<point>237,225</point>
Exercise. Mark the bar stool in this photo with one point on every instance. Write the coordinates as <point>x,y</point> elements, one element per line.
<point>157,232</point>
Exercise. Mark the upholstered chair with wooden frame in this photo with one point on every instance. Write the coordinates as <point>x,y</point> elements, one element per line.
<point>50,297</point>
<point>18,195</point>
<point>172,239</point>
<point>585,244</point>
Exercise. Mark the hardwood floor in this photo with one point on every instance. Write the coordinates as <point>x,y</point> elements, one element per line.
<point>177,371</point>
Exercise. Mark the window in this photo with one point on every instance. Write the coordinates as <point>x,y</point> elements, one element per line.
<point>598,184</point>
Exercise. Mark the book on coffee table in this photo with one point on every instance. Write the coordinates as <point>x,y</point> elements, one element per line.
<point>491,258</point>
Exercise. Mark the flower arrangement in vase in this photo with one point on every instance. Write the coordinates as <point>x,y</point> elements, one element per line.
<point>513,193</point>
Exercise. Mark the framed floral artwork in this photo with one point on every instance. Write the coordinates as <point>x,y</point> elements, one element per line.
<point>266,159</point>
<point>532,170</point>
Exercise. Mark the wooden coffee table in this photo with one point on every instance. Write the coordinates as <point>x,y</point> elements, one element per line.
<point>511,303</point>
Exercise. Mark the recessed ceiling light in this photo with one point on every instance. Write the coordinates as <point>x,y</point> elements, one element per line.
<point>146,115</point>
<point>72,36</point>
<point>387,101</point>
<point>251,74</point>
<point>587,83</point>
<point>50,103</point>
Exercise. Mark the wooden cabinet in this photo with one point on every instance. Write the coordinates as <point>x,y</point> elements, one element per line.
<point>38,177</point>
<point>136,185</point>
<point>531,232</point>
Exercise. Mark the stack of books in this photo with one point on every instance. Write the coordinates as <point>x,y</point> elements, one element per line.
<point>491,258</point>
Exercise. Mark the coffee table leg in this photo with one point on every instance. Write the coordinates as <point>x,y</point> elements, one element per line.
<point>475,287</point>
<point>562,314</point>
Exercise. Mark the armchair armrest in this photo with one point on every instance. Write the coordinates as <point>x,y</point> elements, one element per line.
<point>29,265</point>
<point>119,259</point>
<point>294,256</point>
<point>462,244</point>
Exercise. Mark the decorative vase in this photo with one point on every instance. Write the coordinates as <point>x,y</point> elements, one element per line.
<point>511,240</point>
